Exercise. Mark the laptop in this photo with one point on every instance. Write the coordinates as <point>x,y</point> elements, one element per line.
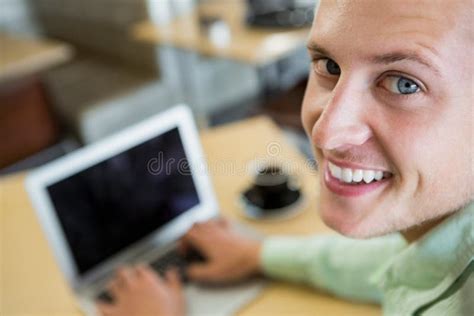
<point>128,199</point>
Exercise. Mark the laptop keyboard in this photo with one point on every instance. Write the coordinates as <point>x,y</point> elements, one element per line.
<point>171,259</point>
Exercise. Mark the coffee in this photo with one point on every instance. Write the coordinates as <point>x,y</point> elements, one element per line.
<point>271,189</point>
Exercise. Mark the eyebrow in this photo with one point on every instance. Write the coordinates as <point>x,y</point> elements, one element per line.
<point>385,59</point>
<point>404,55</point>
<point>315,48</point>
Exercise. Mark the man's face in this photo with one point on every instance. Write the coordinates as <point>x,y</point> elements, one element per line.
<point>388,109</point>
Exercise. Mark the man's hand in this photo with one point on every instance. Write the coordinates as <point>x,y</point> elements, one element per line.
<point>141,292</point>
<point>229,255</point>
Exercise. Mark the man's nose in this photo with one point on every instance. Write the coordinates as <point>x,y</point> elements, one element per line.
<point>342,123</point>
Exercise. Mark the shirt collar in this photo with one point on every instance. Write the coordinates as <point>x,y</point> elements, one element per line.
<point>443,252</point>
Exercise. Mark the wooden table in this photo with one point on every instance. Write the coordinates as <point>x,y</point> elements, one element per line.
<point>20,57</point>
<point>31,283</point>
<point>249,45</point>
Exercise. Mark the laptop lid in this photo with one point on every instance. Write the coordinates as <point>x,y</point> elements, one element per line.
<point>141,188</point>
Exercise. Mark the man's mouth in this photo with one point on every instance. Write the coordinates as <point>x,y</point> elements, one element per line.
<point>348,181</point>
<point>357,176</point>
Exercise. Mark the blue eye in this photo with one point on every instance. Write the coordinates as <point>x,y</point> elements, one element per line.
<point>327,67</point>
<point>400,85</point>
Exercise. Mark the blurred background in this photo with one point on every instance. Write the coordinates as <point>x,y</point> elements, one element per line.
<point>74,71</point>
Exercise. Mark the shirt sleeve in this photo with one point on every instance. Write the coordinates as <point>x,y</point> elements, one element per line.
<point>333,263</point>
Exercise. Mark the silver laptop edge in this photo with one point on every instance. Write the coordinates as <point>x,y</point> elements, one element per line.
<point>38,180</point>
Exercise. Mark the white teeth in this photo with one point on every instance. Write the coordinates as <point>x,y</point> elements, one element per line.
<point>378,175</point>
<point>335,171</point>
<point>357,175</point>
<point>348,175</point>
<point>369,175</point>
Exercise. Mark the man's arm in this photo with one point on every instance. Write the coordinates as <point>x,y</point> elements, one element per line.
<point>333,263</point>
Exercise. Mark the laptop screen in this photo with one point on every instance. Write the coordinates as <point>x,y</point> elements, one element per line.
<point>118,201</point>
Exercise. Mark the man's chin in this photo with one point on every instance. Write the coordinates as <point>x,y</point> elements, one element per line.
<point>355,216</point>
<point>349,222</point>
<point>332,218</point>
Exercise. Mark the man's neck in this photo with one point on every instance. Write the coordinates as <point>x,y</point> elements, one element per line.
<point>415,233</point>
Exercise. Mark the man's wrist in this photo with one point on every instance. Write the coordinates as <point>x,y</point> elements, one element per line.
<point>254,257</point>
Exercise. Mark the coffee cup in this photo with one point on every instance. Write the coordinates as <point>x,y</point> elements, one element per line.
<point>272,189</point>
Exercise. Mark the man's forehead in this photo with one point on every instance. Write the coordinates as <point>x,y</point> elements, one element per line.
<point>436,10</point>
<point>372,26</point>
<point>433,18</point>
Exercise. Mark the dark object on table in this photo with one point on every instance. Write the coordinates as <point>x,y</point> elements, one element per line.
<point>272,195</point>
<point>280,13</point>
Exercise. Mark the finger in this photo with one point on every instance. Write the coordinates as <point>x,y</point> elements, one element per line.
<point>141,269</point>
<point>125,276</point>
<point>173,279</point>
<point>195,238</point>
<point>210,225</point>
<point>113,287</point>
<point>223,222</point>
<point>144,271</point>
<point>211,229</point>
<point>183,247</point>
<point>199,226</point>
<point>105,309</point>
<point>202,272</point>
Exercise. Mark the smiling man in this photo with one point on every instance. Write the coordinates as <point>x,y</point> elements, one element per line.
<point>389,111</point>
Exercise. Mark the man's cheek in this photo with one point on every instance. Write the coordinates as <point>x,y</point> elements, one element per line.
<point>310,111</point>
<point>306,119</point>
<point>310,114</point>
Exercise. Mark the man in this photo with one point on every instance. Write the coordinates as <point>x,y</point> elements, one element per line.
<point>388,109</point>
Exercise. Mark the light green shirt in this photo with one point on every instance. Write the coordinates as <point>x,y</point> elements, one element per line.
<point>432,276</point>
